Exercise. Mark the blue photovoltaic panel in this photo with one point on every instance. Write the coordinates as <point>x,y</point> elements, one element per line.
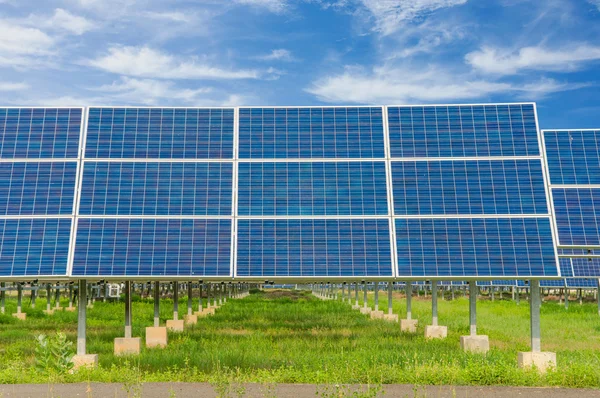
<point>573,156</point>
<point>312,188</point>
<point>566,270</point>
<point>577,212</point>
<point>583,267</point>
<point>307,248</point>
<point>165,133</point>
<point>34,247</point>
<point>268,133</point>
<point>156,188</point>
<point>466,130</point>
<point>578,252</point>
<point>34,188</point>
<point>520,247</point>
<point>39,133</point>
<point>582,283</point>
<point>152,247</point>
<point>469,187</point>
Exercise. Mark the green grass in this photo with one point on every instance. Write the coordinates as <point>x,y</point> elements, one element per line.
<point>293,337</point>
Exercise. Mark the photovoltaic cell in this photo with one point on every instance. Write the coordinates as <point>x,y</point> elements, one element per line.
<point>512,247</point>
<point>306,248</point>
<point>37,188</point>
<point>463,131</point>
<point>152,247</point>
<point>34,247</point>
<point>566,269</point>
<point>39,133</point>
<point>573,156</point>
<point>469,187</point>
<point>576,283</point>
<point>156,188</point>
<point>312,188</point>
<point>293,133</point>
<point>583,267</point>
<point>160,133</point>
<point>577,212</point>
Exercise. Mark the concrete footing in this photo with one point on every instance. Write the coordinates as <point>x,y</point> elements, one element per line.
<point>356,307</point>
<point>127,345</point>
<point>191,319</point>
<point>376,314</point>
<point>20,315</point>
<point>175,326</point>
<point>156,337</point>
<point>364,310</point>
<point>479,343</point>
<point>436,332</point>
<point>541,360</point>
<point>391,317</point>
<point>71,309</point>
<point>48,312</point>
<point>82,361</point>
<point>409,325</point>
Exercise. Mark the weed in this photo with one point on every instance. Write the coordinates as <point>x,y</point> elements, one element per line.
<point>53,354</point>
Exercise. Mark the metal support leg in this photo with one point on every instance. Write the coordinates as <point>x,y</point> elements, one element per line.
<point>598,295</point>
<point>408,300</point>
<point>473,307</point>
<point>19,298</point>
<point>2,298</point>
<point>200,299</point>
<point>128,309</point>
<point>189,301</point>
<point>33,295</point>
<point>70,296</point>
<point>175,301</point>
<point>356,294</point>
<point>376,296</point>
<point>390,291</point>
<point>48,298</point>
<point>215,295</point>
<point>57,298</point>
<point>434,303</point>
<point>81,319</point>
<point>534,308</point>
<point>365,295</point>
<point>156,304</point>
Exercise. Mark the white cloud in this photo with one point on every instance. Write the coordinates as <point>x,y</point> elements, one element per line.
<point>385,85</point>
<point>6,86</point>
<point>504,62</point>
<point>595,3</point>
<point>149,63</point>
<point>276,6</point>
<point>391,15</point>
<point>173,16</point>
<point>16,39</point>
<point>64,20</point>
<point>280,54</point>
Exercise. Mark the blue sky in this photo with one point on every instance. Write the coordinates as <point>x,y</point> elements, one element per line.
<point>304,52</point>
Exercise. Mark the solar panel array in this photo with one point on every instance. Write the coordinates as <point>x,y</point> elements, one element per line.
<point>377,192</point>
<point>39,150</point>
<point>469,192</point>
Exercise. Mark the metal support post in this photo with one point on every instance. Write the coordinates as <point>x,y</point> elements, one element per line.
<point>408,288</point>
<point>434,303</point>
<point>19,297</point>
<point>2,298</point>
<point>518,295</point>
<point>128,309</point>
<point>33,296</point>
<point>376,296</point>
<point>175,301</point>
<point>81,319</point>
<point>189,301</point>
<point>356,294</point>
<point>200,299</point>
<point>57,297</point>
<point>365,294</point>
<point>156,304</point>
<point>70,296</point>
<point>215,294</point>
<point>598,294</point>
<point>390,291</point>
<point>48,298</point>
<point>473,307</point>
<point>534,308</point>
<point>104,292</point>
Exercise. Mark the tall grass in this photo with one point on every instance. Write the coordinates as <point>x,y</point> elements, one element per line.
<point>293,337</point>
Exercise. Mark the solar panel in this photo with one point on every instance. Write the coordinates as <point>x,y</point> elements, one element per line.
<point>577,212</point>
<point>463,131</point>
<point>566,269</point>
<point>308,248</point>
<point>319,133</point>
<point>37,188</point>
<point>156,188</point>
<point>583,267</point>
<point>469,187</point>
<point>152,247</point>
<point>160,133</point>
<point>312,188</point>
<point>573,156</point>
<point>484,247</point>
<point>40,133</point>
<point>34,247</point>
<point>585,283</point>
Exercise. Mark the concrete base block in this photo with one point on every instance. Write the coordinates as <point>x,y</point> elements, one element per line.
<point>356,307</point>
<point>83,361</point>
<point>71,309</point>
<point>391,317</point>
<point>409,325</point>
<point>48,312</point>
<point>127,345</point>
<point>191,319</point>
<point>209,311</point>
<point>175,326</point>
<point>376,314</point>
<point>436,332</point>
<point>478,343</point>
<point>541,360</point>
<point>156,337</point>
<point>364,310</point>
<point>20,315</point>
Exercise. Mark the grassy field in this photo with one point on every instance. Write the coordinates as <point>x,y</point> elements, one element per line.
<point>293,337</point>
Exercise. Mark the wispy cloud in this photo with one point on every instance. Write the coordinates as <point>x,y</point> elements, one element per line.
<point>280,54</point>
<point>595,3</point>
<point>63,20</point>
<point>151,63</point>
<point>504,62</point>
<point>8,86</point>
<point>276,6</point>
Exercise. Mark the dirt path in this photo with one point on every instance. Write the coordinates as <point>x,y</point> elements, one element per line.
<point>173,390</point>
